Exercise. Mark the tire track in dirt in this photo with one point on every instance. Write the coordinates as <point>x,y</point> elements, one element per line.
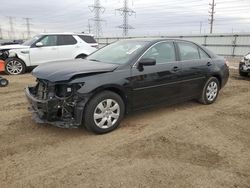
<point>182,145</point>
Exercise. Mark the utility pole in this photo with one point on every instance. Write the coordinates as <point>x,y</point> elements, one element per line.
<point>97,9</point>
<point>211,15</point>
<point>200,27</point>
<point>1,33</point>
<point>89,28</point>
<point>12,32</point>
<point>125,11</point>
<point>27,20</point>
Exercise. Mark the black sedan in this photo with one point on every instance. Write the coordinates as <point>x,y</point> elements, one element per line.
<point>122,77</point>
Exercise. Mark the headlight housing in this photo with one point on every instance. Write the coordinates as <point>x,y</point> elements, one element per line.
<point>66,90</point>
<point>63,90</point>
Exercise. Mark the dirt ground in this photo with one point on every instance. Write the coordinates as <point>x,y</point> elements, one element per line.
<point>185,145</point>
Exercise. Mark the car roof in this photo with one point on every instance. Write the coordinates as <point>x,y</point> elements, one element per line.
<point>153,40</point>
<point>68,33</point>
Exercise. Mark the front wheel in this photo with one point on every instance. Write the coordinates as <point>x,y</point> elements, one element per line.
<point>14,66</point>
<point>210,91</point>
<point>104,112</point>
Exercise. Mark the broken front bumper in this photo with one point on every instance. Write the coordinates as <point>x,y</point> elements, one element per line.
<point>48,111</point>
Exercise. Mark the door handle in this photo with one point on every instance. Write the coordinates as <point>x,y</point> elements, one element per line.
<point>175,69</point>
<point>209,63</point>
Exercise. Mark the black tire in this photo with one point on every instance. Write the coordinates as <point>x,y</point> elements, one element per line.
<point>3,82</point>
<point>81,56</point>
<point>92,107</point>
<point>204,99</point>
<point>243,73</point>
<point>10,62</point>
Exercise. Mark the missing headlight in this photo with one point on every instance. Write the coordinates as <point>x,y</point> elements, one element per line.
<point>63,90</point>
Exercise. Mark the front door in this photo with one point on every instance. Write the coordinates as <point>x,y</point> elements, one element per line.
<point>45,53</point>
<point>160,82</point>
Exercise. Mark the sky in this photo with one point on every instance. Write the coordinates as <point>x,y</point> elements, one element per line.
<point>153,17</point>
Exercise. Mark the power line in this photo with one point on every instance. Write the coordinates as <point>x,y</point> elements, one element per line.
<point>97,9</point>
<point>125,11</point>
<point>27,20</point>
<point>212,12</point>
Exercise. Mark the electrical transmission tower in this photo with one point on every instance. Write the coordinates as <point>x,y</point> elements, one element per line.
<point>211,15</point>
<point>28,24</point>
<point>125,11</point>
<point>98,10</point>
<point>12,32</point>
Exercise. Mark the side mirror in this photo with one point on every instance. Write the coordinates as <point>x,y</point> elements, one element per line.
<point>146,62</point>
<point>39,44</point>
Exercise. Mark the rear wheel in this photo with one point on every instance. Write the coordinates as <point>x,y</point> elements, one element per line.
<point>104,112</point>
<point>210,91</point>
<point>14,66</point>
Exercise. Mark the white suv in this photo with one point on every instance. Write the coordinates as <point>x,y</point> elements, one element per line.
<point>45,48</point>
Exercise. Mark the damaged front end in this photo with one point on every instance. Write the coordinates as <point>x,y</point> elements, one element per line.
<point>59,104</point>
<point>244,65</point>
<point>4,54</point>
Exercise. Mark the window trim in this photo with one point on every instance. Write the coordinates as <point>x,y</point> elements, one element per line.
<point>200,49</point>
<point>176,55</point>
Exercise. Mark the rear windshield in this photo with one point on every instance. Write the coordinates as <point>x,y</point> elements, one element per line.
<point>88,39</point>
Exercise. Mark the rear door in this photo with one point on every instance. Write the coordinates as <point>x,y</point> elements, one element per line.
<point>195,64</point>
<point>47,52</point>
<point>89,39</point>
<point>67,45</point>
<point>158,83</point>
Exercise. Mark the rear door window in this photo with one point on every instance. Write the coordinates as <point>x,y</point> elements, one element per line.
<point>188,51</point>
<point>66,40</point>
<point>203,55</point>
<point>87,39</point>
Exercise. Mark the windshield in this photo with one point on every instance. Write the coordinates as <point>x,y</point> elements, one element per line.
<point>31,41</point>
<point>119,52</point>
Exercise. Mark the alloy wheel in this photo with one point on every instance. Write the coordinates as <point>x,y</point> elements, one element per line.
<point>212,91</point>
<point>14,67</point>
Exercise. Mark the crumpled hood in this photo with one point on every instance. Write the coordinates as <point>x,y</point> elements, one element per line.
<point>65,70</point>
<point>13,46</point>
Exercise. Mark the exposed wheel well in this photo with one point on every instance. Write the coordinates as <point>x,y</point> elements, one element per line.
<point>115,90</point>
<point>16,56</point>
<point>219,79</point>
